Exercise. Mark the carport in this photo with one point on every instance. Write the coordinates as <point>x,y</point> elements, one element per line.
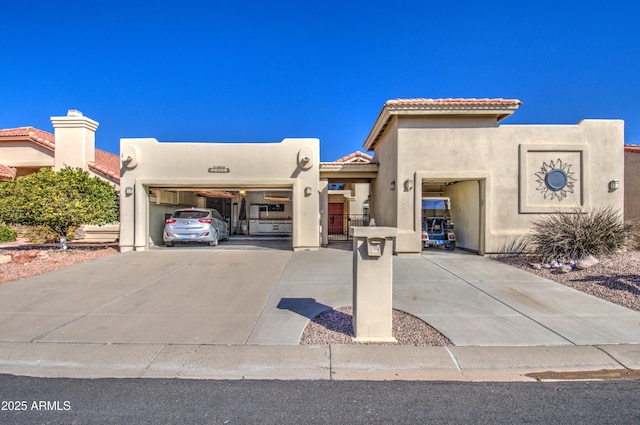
<point>277,181</point>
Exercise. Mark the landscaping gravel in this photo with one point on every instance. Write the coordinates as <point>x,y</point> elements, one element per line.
<point>38,261</point>
<point>335,327</point>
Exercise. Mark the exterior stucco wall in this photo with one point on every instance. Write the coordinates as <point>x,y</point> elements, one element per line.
<point>149,163</point>
<point>632,186</point>
<point>465,213</point>
<point>360,196</point>
<point>505,161</point>
<point>25,154</point>
<point>384,199</point>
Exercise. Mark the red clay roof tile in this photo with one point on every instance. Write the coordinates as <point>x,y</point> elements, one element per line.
<point>7,173</point>
<point>40,137</point>
<point>355,156</point>
<point>454,102</point>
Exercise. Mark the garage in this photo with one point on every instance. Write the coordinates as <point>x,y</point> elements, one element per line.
<point>249,212</point>
<point>278,184</point>
<point>464,210</point>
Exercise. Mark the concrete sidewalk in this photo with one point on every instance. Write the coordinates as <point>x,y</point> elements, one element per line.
<point>337,362</point>
<point>238,311</point>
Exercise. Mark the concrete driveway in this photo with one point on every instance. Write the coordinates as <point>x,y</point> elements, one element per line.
<point>265,295</point>
<point>477,301</point>
<point>184,295</point>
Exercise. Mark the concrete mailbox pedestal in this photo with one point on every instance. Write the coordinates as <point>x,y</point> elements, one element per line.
<point>373,283</point>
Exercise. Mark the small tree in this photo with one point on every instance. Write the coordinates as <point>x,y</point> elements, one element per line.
<point>58,200</point>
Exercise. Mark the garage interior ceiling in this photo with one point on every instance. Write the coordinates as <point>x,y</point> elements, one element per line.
<point>270,195</point>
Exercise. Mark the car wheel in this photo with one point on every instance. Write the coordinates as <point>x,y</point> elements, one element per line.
<point>214,242</point>
<point>168,244</point>
<point>451,246</point>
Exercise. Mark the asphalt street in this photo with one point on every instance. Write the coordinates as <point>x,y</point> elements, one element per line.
<point>28,400</point>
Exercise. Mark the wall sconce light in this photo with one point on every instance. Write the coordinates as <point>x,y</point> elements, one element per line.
<point>408,185</point>
<point>307,191</point>
<point>392,185</point>
<point>128,191</point>
<point>614,185</point>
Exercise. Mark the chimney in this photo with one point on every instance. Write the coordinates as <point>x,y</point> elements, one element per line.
<point>75,140</point>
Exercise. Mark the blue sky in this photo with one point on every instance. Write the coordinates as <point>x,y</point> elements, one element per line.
<point>263,71</point>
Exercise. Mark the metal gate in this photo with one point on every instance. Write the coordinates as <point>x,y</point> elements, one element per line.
<point>339,225</point>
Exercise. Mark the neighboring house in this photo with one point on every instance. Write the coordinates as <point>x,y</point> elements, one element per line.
<point>25,150</point>
<point>632,183</point>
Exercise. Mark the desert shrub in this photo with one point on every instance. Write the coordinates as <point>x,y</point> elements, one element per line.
<point>7,234</point>
<point>576,234</point>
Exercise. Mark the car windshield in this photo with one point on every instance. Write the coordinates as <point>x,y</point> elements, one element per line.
<point>434,208</point>
<point>190,214</point>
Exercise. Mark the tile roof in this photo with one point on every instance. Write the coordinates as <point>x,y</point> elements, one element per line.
<point>466,102</point>
<point>39,137</point>
<point>105,163</point>
<point>355,157</point>
<point>498,107</point>
<point>7,173</point>
<point>632,148</point>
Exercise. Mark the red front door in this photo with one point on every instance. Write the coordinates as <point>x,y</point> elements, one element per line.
<point>336,218</point>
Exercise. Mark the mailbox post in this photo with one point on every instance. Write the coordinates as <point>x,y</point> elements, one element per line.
<point>373,283</point>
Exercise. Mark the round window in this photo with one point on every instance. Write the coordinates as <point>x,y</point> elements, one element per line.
<point>556,179</point>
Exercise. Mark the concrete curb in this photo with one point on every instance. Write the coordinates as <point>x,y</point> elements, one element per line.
<point>336,362</point>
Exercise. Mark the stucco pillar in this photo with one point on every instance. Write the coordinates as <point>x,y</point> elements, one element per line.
<point>75,140</point>
<point>140,214</point>
<point>373,283</point>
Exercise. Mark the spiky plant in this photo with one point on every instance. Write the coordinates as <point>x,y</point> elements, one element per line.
<point>576,234</point>
<point>515,247</point>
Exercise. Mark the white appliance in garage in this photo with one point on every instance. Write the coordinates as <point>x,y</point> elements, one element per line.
<point>254,218</point>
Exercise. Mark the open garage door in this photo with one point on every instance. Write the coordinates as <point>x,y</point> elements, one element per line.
<point>250,213</point>
<point>465,209</point>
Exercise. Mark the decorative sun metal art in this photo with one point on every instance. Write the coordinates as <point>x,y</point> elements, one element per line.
<point>555,180</point>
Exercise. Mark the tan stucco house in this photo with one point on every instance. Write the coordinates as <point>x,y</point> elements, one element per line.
<point>499,177</point>
<point>25,150</point>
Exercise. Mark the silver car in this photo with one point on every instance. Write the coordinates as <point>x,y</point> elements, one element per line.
<point>195,225</point>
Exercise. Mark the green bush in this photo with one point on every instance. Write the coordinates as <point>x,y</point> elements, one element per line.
<point>7,234</point>
<point>575,234</point>
<point>60,200</point>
